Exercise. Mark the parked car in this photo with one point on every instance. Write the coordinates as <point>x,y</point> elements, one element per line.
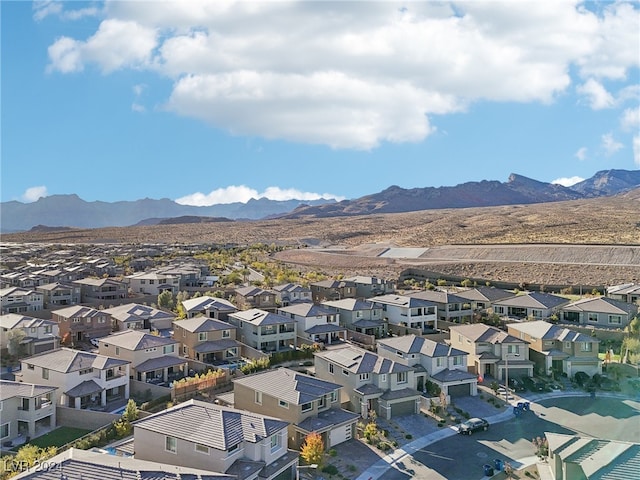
<point>516,385</point>
<point>532,384</point>
<point>473,425</point>
<point>94,342</point>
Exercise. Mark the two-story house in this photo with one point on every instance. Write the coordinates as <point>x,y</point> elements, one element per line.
<point>81,324</point>
<point>101,289</point>
<point>255,297</point>
<point>20,300</point>
<point>555,349</point>
<point>59,294</point>
<point>207,340</point>
<point>600,312</point>
<point>369,381</point>
<point>211,307</point>
<point>408,311</point>
<point>482,298</point>
<point>315,323</point>
<point>153,359</point>
<point>220,439</point>
<point>332,290</point>
<point>27,410</point>
<point>307,403</point>
<point>367,287</point>
<point>289,293</point>
<point>153,283</point>
<point>433,361</point>
<point>133,316</point>
<point>25,336</point>
<point>450,307</point>
<point>491,351</point>
<point>628,292</point>
<point>362,316</point>
<point>84,380</point>
<point>532,305</point>
<point>266,331</point>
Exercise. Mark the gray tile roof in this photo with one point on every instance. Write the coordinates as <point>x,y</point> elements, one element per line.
<point>447,375</point>
<point>16,320</point>
<point>357,360</point>
<point>289,385</point>
<point>602,305</point>
<point>414,344</point>
<point>261,317</point>
<point>404,301</point>
<point>85,388</point>
<point>211,425</point>
<point>68,360</point>
<point>406,393</point>
<point>328,419</point>
<point>88,465</point>
<point>549,331</point>
<point>479,332</point>
<point>10,389</point>
<point>485,294</point>
<point>534,300</point>
<point>365,323</point>
<point>325,328</point>
<point>135,311</point>
<point>160,362</point>
<point>203,324</point>
<point>136,340</point>
<point>352,304</point>
<point>78,311</point>
<point>200,304</point>
<point>216,345</point>
<point>306,309</point>
<point>438,296</point>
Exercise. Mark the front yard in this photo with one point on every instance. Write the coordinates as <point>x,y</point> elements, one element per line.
<point>59,437</point>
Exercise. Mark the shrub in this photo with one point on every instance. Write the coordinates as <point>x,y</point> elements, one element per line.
<point>408,436</point>
<point>352,468</point>
<point>333,452</point>
<point>440,424</point>
<point>330,469</point>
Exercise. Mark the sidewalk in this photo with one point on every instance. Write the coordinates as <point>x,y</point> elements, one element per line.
<point>376,470</point>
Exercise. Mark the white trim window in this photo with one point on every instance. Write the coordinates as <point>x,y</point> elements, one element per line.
<point>283,403</point>
<point>306,407</point>
<point>402,377</point>
<point>201,448</point>
<point>334,397</point>
<point>275,442</point>
<point>4,430</point>
<point>615,319</point>
<point>592,317</point>
<point>586,346</point>
<point>258,397</point>
<point>171,444</point>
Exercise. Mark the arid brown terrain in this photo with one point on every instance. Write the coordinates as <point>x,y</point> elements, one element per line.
<point>350,245</point>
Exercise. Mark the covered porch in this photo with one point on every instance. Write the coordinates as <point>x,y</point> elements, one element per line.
<point>163,369</point>
<point>377,328</point>
<point>217,352</point>
<point>328,333</point>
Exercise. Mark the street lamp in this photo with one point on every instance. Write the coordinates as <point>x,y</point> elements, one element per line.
<point>506,366</point>
<point>299,467</point>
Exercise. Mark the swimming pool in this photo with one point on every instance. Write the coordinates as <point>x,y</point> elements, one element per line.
<point>120,411</point>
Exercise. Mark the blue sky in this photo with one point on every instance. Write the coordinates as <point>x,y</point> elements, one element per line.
<point>217,101</point>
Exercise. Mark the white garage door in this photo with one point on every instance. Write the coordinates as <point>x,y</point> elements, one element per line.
<point>339,435</point>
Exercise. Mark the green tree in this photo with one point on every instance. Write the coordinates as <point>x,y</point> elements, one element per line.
<point>466,283</point>
<point>165,300</point>
<point>312,450</point>
<point>27,456</point>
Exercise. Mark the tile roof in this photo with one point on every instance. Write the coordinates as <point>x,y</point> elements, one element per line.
<point>88,465</point>
<point>352,304</point>
<point>216,345</point>
<point>136,340</point>
<point>160,362</point>
<point>16,320</point>
<point>404,301</point>
<point>289,385</point>
<point>602,305</point>
<point>534,300</point>
<point>414,344</point>
<point>438,296</point>
<point>211,425</point>
<point>328,419</point>
<point>203,324</point>
<point>68,360</point>
<point>447,375</point>
<point>10,389</point>
<point>549,331</point>
<point>85,388</point>
<point>306,309</point>
<point>208,303</point>
<point>76,311</point>
<point>357,360</point>
<point>261,317</point>
<point>479,332</point>
<point>487,294</point>
<point>135,311</point>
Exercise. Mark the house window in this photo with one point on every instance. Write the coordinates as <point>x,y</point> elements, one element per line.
<point>275,442</point>
<point>30,366</point>
<point>363,376</point>
<point>202,336</point>
<point>117,350</point>
<point>536,313</point>
<point>331,368</point>
<point>586,346</point>
<point>168,349</point>
<point>142,282</point>
<point>592,317</point>
<point>283,403</point>
<point>48,329</point>
<point>321,402</point>
<point>358,314</point>
<point>4,430</point>
<point>307,406</point>
<point>383,378</point>
<point>567,345</point>
<point>513,349</point>
<point>402,377</point>
<point>334,397</point>
<point>33,329</point>
<point>202,448</point>
<point>459,338</point>
<point>185,350</point>
<point>171,444</point>
<point>439,362</point>
<point>226,333</point>
<point>233,448</point>
<point>45,373</point>
<point>457,360</point>
<point>498,310</point>
<point>259,398</point>
<point>399,353</point>
<point>345,372</point>
<point>231,353</point>
<point>151,282</point>
<point>615,319</point>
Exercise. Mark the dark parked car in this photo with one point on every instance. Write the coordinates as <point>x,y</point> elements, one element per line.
<point>473,425</point>
<point>532,384</point>
<point>516,385</point>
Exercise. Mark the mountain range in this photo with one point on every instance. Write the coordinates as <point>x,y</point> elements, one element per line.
<point>72,211</point>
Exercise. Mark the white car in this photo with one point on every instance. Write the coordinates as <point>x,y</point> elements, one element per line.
<point>94,342</point>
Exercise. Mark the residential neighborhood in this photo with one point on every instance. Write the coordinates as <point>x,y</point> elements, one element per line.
<point>241,376</point>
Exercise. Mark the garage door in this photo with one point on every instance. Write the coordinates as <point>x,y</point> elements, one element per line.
<point>403,408</point>
<point>463,390</point>
<point>339,435</point>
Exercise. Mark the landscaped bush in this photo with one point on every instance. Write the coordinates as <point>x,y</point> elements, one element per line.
<point>333,452</point>
<point>581,378</point>
<point>408,436</point>
<point>330,470</point>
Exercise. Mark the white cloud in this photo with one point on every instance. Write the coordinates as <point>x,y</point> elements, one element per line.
<point>610,144</point>
<point>32,194</point>
<point>636,149</point>
<point>136,107</point>
<point>581,154</point>
<point>567,181</point>
<point>596,94</point>
<point>43,9</point>
<point>356,74</point>
<point>631,118</point>
<point>242,194</point>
